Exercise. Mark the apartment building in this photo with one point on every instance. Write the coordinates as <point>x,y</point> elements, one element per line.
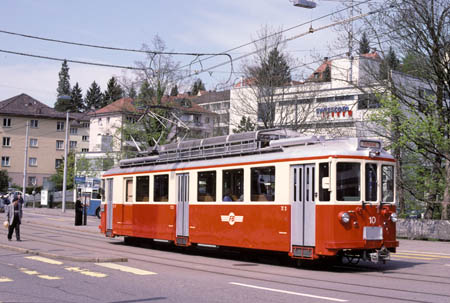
<point>218,103</point>
<point>46,137</point>
<point>107,144</point>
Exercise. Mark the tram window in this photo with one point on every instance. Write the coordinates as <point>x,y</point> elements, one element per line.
<point>371,182</point>
<point>263,183</point>
<point>142,188</point>
<point>233,185</point>
<point>128,190</point>
<point>102,190</point>
<point>161,188</point>
<point>324,172</point>
<point>206,186</point>
<point>348,181</point>
<point>388,183</point>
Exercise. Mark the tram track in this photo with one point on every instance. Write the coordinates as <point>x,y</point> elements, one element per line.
<point>244,273</point>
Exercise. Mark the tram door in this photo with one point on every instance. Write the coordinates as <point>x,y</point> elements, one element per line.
<point>182,208</point>
<point>303,208</point>
<point>109,204</point>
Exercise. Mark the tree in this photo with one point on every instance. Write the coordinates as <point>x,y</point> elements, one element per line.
<point>364,46</point>
<point>266,80</point>
<point>4,180</point>
<point>63,88</point>
<point>94,97</point>
<point>57,178</point>
<point>113,92</point>
<point>77,99</point>
<point>197,87</point>
<point>149,124</point>
<point>421,125</point>
<point>389,63</point>
<point>174,91</point>
<point>245,125</point>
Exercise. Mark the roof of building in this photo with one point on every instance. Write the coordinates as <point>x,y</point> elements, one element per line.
<point>211,96</point>
<point>182,102</point>
<point>24,105</point>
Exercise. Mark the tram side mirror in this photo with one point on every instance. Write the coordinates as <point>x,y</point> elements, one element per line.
<point>326,182</point>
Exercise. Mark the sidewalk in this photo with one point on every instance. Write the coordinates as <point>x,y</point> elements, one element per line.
<point>56,218</point>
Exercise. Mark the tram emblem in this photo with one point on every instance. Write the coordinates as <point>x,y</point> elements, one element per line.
<point>231,218</point>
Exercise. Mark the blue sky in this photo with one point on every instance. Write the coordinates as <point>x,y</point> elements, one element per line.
<point>185,26</point>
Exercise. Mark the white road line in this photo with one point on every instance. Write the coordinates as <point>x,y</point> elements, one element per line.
<point>45,260</point>
<point>412,257</point>
<point>447,264</point>
<point>5,279</point>
<point>128,269</point>
<point>289,292</point>
<point>36,273</point>
<point>86,272</point>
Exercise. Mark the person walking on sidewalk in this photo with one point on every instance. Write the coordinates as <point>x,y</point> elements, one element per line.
<point>14,216</point>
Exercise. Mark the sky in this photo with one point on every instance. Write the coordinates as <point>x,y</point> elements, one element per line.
<point>200,26</point>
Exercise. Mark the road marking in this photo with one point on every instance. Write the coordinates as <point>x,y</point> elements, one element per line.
<point>5,279</point>
<point>60,220</point>
<point>45,260</point>
<point>86,272</point>
<point>36,273</point>
<point>412,257</point>
<point>128,269</point>
<point>289,292</point>
<point>424,255</point>
<point>447,264</point>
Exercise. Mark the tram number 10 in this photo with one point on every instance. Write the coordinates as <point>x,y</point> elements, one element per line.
<point>372,220</point>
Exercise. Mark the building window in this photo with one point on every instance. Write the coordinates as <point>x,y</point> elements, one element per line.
<point>368,101</point>
<point>32,161</point>
<point>206,186</point>
<point>100,121</point>
<point>5,161</point>
<point>60,126</point>
<point>266,112</point>
<point>263,183</point>
<point>58,163</point>
<point>59,144</point>
<point>6,122</point>
<point>85,150</point>
<point>142,188</point>
<point>6,141</point>
<point>33,142</point>
<point>161,188</point>
<point>34,123</point>
<point>73,144</point>
<point>107,120</point>
<point>73,130</point>
<point>233,185</point>
<point>85,138</point>
<point>85,124</point>
<point>32,181</point>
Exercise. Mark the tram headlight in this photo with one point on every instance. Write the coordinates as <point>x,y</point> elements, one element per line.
<point>345,217</point>
<point>394,217</point>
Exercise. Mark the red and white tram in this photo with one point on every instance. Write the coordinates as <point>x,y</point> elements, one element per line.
<point>271,190</point>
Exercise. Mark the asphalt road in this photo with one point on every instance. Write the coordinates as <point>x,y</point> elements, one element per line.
<point>59,262</point>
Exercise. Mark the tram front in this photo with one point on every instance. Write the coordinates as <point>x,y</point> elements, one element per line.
<point>356,213</point>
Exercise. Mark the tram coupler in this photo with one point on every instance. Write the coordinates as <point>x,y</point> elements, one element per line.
<point>379,255</point>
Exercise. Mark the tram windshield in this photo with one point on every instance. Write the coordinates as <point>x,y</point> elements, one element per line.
<point>387,183</point>
<point>348,181</point>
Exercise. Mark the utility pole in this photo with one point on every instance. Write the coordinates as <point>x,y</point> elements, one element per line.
<point>66,146</point>
<point>25,162</point>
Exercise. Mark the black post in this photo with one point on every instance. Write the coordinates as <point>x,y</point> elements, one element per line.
<point>85,211</point>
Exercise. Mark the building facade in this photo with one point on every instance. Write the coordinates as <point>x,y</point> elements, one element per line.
<point>46,139</point>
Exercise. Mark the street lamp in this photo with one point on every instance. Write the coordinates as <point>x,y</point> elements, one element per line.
<point>304,3</point>
<point>66,143</point>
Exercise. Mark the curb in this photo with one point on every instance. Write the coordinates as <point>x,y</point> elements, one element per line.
<point>66,258</point>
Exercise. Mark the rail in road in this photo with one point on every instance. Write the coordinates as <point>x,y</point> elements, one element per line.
<point>418,272</point>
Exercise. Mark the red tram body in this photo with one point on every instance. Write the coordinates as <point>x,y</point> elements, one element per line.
<point>268,190</point>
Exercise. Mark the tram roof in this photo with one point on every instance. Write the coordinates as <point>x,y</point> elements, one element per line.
<point>293,146</point>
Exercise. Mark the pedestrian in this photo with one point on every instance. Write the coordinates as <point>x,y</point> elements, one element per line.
<point>21,201</point>
<point>14,216</point>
